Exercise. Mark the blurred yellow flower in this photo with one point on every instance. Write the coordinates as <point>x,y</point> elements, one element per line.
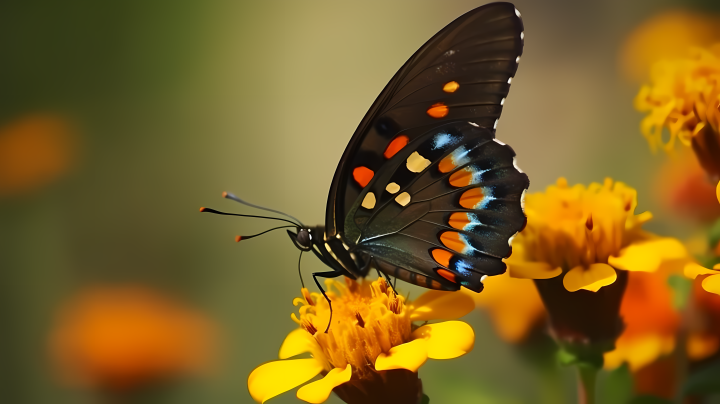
<point>650,320</point>
<point>710,283</point>
<point>667,35</point>
<point>585,234</point>
<point>120,338</point>
<point>514,306</point>
<point>372,351</point>
<point>34,150</point>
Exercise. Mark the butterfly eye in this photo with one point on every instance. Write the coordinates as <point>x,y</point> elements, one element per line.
<point>303,238</point>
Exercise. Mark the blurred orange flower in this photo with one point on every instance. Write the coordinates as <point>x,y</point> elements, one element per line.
<point>683,188</point>
<point>650,321</point>
<point>34,151</point>
<point>667,35</point>
<point>119,338</point>
<point>704,338</point>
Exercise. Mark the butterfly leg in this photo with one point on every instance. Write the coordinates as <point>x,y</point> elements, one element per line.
<point>386,276</point>
<point>328,274</point>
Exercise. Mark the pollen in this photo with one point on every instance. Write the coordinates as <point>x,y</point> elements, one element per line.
<point>308,297</point>
<point>365,314</point>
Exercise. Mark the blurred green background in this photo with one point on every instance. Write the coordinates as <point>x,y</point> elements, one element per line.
<point>174,102</point>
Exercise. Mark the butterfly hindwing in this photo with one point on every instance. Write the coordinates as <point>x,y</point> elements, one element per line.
<point>443,206</point>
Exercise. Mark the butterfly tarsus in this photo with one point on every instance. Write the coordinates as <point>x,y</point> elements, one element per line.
<point>328,274</point>
<point>302,283</point>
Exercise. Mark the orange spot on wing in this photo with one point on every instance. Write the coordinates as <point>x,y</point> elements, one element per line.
<point>452,240</point>
<point>451,87</point>
<point>471,198</point>
<point>461,178</point>
<point>395,146</point>
<point>446,274</point>
<point>438,110</point>
<point>459,220</point>
<point>442,257</point>
<point>446,165</point>
<point>363,175</point>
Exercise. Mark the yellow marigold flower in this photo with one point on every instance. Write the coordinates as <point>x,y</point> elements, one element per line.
<point>372,351</point>
<point>585,234</point>
<point>710,283</point>
<point>667,35</point>
<point>684,97</point>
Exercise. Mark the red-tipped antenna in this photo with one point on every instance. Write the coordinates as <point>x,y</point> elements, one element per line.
<point>238,238</point>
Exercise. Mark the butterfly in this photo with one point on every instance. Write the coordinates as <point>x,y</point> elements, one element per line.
<point>424,192</point>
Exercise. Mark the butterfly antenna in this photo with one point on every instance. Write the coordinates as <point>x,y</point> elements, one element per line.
<point>217,212</point>
<point>228,195</point>
<point>239,238</point>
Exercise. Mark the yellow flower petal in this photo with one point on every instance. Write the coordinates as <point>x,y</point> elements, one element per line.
<point>447,340</point>
<point>693,270</point>
<point>274,378</point>
<point>297,342</point>
<point>592,278</point>
<point>441,305</point>
<point>410,356</point>
<point>532,269</point>
<point>717,191</point>
<point>319,391</point>
<point>712,284</point>
<point>646,256</point>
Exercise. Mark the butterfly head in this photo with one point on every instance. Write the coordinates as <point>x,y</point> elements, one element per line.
<point>302,239</point>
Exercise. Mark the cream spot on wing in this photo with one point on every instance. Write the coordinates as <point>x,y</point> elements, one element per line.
<point>403,199</point>
<point>416,163</point>
<point>369,201</point>
<point>392,187</point>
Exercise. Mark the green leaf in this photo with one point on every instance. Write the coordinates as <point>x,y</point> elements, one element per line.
<point>649,400</point>
<point>704,381</point>
<point>588,357</point>
<point>425,399</point>
<point>682,288</point>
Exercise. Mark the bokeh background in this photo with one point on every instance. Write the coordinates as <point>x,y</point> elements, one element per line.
<point>147,110</point>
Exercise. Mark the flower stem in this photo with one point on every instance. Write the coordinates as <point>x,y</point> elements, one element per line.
<point>586,384</point>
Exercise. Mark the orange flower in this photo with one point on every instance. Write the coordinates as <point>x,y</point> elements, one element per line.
<point>682,187</point>
<point>704,338</point>
<point>650,322</point>
<point>34,151</point>
<point>119,338</point>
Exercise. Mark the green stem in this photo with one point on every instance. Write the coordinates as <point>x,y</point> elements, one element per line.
<point>586,384</point>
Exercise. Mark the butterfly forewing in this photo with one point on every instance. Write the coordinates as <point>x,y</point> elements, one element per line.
<point>423,187</point>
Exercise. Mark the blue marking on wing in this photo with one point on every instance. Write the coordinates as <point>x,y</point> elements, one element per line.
<point>442,140</point>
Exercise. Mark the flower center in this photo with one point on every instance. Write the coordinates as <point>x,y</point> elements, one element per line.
<point>578,226</point>
<point>367,319</point>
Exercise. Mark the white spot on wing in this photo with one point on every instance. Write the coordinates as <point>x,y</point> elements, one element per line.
<point>392,187</point>
<point>499,142</point>
<point>495,125</point>
<point>510,80</point>
<point>517,13</point>
<point>517,59</point>
<point>416,163</point>
<point>369,201</point>
<point>474,124</point>
<point>502,102</point>
<point>482,278</point>
<point>522,35</point>
<point>403,199</point>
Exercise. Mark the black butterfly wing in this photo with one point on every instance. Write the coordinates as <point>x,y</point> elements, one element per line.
<point>447,97</point>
